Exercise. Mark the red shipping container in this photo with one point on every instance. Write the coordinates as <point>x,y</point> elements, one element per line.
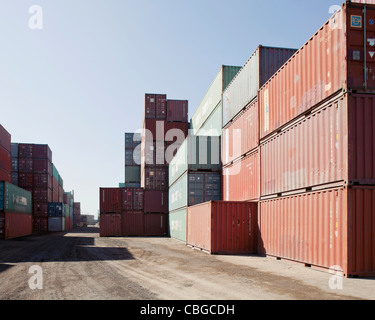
<point>110,200</point>
<point>155,106</point>
<point>5,160</point>
<point>177,110</point>
<point>55,196</point>
<point>241,135</point>
<point>150,106</point>
<point>132,199</point>
<point>77,207</point>
<point>219,227</point>
<point>15,225</point>
<point>153,153</point>
<point>25,165</point>
<point>40,209</point>
<point>5,176</point>
<point>25,150</point>
<point>25,180</point>
<point>5,139</point>
<point>154,178</point>
<point>154,130</point>
<point>334,59</point>
<point>42,151</point>
<point>332,229</point>
<point>42,180</point>
<point>156,201</point>
<point>176,132</point>
<point>55,184</point>
<point>40,224</point>
<point>161,106</point>
<point>156,224</point>
<point>241,180</point>
<point>132,224</point>
<point>110,225</point>
<point>42,166</point>
<point>41,195</point>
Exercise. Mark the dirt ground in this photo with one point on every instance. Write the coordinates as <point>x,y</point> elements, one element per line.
<point>80,265</point>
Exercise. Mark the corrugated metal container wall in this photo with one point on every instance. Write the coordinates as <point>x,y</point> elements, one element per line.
<point>154,130</point>
<point>178,193</point>
<point>311,152</point>
<point>213,125</point>
<point>40,224</point>
<point>241,180</point>
<point>15,225</point>
<point>56,224</point>
<point>5,139</point>
<point>263,63</point>
<point>132,199</point>
<point>14,199</point>
<point>132,174</point>
<point>110,225</point>
<point>156,201</point>
<point>213,96</point>
<point>5,160</point>
<point>42,151</point>
<point>156,224</point>
<point>177,110</point>
<point>110,200</point>
<point>223,227</point>
<point>241,135</point>
<point>155,106</point>
<point>331,61</point>
<point>325,229</point>
<point>155,178</point>
<point>132,224</point>
<point>40,209</point>
<point>176,130</point>
<point>14,150</point>
<point>177,224</point>
<point>132,140</point>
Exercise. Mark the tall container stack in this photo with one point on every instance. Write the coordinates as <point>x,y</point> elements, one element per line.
<point>34,174</point>
<point>240,134</point>
<point>68,200</point>
<point>76,213</point>
<point>56,217</point>
<point>110,203</point>
<point>317,139</point>
<point>5,155</point>
<point>165,126</point>
<point>132,160</point>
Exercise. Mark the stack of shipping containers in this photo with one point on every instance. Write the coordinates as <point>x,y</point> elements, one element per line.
<point>164,122</point>
<point>194,173</point>
<point>76,212</point>
<point>240,135</point>
<point>5,155</point>
<point>317,149</point>
<point>132,160</point>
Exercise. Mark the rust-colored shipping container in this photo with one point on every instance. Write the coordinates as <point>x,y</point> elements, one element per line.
<point>5,160</point>
<point>132,224</point>
<point>40,209</point>
<point>156,224</point>
<point>25,165</point>
<point>110,200</point>
<point>156,201</point>
<point>6,176</point>
<point>155,106</point>
<point>220,227</point>
<point>176,132</point>
<point>154,130</point>
<point>41,195</point>
<point>25,150</point>
<point>40,224</point>
<point>153,153</point>
<point>42,151</point>
<point>325,229</point>
<point>154,178</point>
<point>25,180</point>
<point>339,56</point>
<point>241,180</point>
<point>42,180</point>
<point>42,166</point>
<point>177,110</point>
<point>5,139</point>
<point>333,144</point>
<point>132,199</point>
<point>241,135</point>
<point>15,225</point>
<point>110,225</point>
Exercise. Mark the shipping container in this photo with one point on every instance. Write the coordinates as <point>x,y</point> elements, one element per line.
<point>77,208</point>
<point>154,130</point>
<point>153,153</point>
<point>42,180</point>
<point>14,150</point>
<point>155,106</point>
<point>42,151</point>
<point>213,124</point>
<point>40,224</point>
<point>40,209</point>
<point>156,224</point>
<point>132,140</point>
<point>25,150</point>
<point>25,165</point>
<point>25,180</point>
<point>15,225</point>
<point>56,224</point>
<point>132,224</point>
<point>5,176</point>
<point>133,157</point>
<point>241,135</point>
<point>177,110</point>
<point>213,96</point>
<point>14,164</point>
<point>5,139</point>
<point>132,174</point>
<point>177,224</point>
<point>5,160</point>
<point>197,153</point>
<point>262,64</point>
<point>42,195</point>
<point>332,229</point>
<point>218,227</point>
<point>176,132</point>
<point>14,178</point>
<point>110,225</point>
<point>241,180</point>
<point>14,199</point>
<point>333,144</point>
<point>132,199</point>
<point>56,209</point>
<point>338,57</point>
<point>110,200</point>
<point>155,201</point>
<point>194,188</point>
<point>154,178</point>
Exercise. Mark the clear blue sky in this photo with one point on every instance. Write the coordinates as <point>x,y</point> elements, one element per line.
<point>79,83</point>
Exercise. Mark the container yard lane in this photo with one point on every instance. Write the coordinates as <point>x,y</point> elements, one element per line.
<point>80,265</point>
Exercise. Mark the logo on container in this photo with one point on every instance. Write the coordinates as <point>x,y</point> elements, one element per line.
<point>336,282</point>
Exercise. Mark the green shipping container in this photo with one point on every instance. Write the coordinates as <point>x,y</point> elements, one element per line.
<point>67,211</point>
<point>55,172</point>
<point>14,199</point>
<point>177,224</point>
<point>132,174</point>
<point>212,127</point>
<point>178,194</point>
<point>213,96</point>
<point>195,154</point>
